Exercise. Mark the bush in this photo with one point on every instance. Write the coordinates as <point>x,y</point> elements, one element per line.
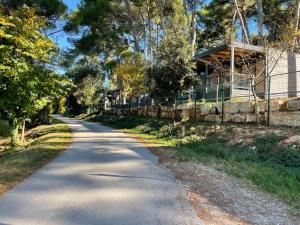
<point>269,150</point>
<point>4,129</point>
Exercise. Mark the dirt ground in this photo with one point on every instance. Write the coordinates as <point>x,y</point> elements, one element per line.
<point>220,199</point>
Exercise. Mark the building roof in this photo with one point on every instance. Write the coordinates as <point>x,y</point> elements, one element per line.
<point>223,51</point>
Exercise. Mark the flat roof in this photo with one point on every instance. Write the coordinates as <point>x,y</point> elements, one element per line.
<point>223,50</point>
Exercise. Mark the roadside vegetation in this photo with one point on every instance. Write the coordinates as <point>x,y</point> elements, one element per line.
<point>266,157</point>
<point>42,144</point>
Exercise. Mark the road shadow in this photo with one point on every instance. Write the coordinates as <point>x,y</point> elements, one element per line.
<point>130,177</point>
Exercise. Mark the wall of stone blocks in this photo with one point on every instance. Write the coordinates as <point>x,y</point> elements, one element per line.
<point>282,112</point>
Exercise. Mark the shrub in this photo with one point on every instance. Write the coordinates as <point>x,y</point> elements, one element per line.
<point>4,129</point>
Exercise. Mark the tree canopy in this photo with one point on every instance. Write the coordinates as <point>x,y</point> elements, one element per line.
<point>168,33</point>
<point>26,83</point>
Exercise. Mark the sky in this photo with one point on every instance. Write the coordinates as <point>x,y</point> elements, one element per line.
<point>62,38</point>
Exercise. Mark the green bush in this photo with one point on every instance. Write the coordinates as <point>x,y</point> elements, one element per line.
<point>4,129</point>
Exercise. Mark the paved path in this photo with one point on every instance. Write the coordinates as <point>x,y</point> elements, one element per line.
<point>104,178</point>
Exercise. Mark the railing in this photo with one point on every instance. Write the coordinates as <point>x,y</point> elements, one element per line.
<point>276,86</point>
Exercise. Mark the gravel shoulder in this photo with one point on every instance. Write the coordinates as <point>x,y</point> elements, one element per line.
<point>220,199</point>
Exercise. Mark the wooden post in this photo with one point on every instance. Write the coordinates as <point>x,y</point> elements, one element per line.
<point>23,132</point>
<point>218,86</point>
<point>222,80</point>
<point>231,68</point>
<point>206,80</point>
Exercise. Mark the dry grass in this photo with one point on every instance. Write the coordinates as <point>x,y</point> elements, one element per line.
<point>43,143</point>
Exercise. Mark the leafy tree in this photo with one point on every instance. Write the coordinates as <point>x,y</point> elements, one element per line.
<point>99,20</point>
<point>87,74</point>
<point>88,91</point>
<point>51,9</point>
<point>174,70</point>
<point>82,66</point>
<point>26,85</point>
<point>130,75</point>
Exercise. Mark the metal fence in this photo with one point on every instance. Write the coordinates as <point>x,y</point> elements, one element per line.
<point>221,89</point>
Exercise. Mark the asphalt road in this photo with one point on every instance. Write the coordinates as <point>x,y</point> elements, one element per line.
<point>104,178</point>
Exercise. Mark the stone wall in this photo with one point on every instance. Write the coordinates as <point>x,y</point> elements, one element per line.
<point>282,112</point>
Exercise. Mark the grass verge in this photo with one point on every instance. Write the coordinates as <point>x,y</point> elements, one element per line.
<point>43,143</point>
<point>258,156</point>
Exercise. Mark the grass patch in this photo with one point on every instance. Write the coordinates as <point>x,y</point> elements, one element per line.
<point>43,143</point>
<point>260,159</point>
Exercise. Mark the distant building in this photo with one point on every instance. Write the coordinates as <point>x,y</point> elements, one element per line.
<point>229,64</point>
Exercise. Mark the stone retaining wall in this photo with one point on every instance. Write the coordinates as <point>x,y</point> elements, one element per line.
<point>282,112</point>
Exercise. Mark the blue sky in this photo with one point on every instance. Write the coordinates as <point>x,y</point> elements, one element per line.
<point>62,38</point>
<point>72,3</point>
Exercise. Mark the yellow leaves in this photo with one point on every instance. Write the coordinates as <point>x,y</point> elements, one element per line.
<point>2,67</point>
<point>4,35</point>
<point>131,75</point>
<point>24,44</point>
<point>45,44</point>
<point>5,22</point>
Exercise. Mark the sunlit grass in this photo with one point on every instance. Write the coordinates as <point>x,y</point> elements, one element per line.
<point>43,143</point>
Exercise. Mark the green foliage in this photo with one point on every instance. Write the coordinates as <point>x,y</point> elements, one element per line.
<point>26,84</point>
<point>174,69</point>
<point>80,67</point>
<point>101,16</point>
<point>216,19</point>
<point>62,105</point>
<point>4,129</point>
<point>129,75</point>
<point>52,9</point>
<point>58,105</point>
<point>86,72</point>
<point>278,14</point>
<point>88,91</point>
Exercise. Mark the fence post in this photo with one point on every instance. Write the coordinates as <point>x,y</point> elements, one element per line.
<point>122,106</point>
<point>147,106</point>
<point>138,101</point>
<point>175,109</point>
<point>130,106</point>
<point>116,108</point>
<point>195,105</point>
<point>269,100</point>
<point>222,98</point>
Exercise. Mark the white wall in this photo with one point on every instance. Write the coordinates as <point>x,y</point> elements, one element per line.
<point>284,79</point>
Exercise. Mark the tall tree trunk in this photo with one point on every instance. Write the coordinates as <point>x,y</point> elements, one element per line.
<point>136,42</point>
<point>246,27</point>
<point>144,25</point>
<point>160,7</point>
<point>232,33</point>
<point>15,125</point>
<point>260,21</point>
<point>296,24</point>
<point>242,22</point>
<point>145,44</point>
<point>150,38</point>
<point>194,30</point>
<point>256,106</point>
<point>133,26</point>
